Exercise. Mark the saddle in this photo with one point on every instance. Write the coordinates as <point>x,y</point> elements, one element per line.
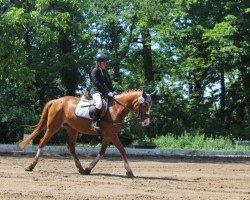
<point>86,105</point>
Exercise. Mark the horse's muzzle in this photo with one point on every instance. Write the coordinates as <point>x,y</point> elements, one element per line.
<point>145,122</point>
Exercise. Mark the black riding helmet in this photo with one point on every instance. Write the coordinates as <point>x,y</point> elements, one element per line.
<point>101,57</point>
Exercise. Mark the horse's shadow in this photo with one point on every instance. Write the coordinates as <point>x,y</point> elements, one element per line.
<point>141,177</point>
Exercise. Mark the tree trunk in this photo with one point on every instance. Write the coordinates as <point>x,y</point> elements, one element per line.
<point>147,55</point>
<point>241,113</point>
<point>114,35</point>
<point>69,72</point>
<point>223,93</point>
<point>247,90</point>
<point>190,84</point>
<point>28,47</point>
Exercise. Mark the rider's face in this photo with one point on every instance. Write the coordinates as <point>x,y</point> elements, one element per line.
<point>103,65</point>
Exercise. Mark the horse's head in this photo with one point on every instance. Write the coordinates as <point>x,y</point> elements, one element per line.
<point>138,101</point>
<point>142,106</point>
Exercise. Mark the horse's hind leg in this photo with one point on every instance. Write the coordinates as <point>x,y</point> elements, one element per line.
<point>54,119</point>
<point>52,128</point>
<point>49,133</point>
<point>71,141</point>
<point>33,164</point>
<point>105,143</point>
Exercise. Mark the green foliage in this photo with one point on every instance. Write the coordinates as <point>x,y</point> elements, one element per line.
<point>195,54</point>
<point>197,141</point>
<point>14,121</point>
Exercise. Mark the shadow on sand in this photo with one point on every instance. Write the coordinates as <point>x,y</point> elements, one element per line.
<point>140,177</point>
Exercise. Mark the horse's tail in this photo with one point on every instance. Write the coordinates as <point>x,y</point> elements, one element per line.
<point>38,128</point>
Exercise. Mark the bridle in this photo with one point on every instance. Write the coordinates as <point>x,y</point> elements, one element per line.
<point>141,101</point>
<point>138,116</point>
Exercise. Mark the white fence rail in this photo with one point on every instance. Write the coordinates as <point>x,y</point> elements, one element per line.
<point>9,148</point>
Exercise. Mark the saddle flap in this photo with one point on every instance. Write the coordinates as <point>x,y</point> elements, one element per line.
<point>85,108</point>
<point>103,109</point>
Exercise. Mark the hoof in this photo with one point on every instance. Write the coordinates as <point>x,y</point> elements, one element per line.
<point>130,174</point>
<point>81,171</point>
<point>87,171</point>
<point>29,169</point>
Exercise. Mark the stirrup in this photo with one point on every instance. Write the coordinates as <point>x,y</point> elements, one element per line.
<point>95,126</point>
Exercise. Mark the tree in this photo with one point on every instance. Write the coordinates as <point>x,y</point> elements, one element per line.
<point>195,53</point>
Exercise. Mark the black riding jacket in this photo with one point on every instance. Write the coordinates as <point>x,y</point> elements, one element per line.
<point>100,82</point>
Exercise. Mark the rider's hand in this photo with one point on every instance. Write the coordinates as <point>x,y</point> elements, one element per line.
<point>110,94</point>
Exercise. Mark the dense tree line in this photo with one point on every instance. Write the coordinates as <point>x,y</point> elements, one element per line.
<point>194,53</point>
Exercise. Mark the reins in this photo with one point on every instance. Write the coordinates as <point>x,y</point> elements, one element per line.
<point>125,106</point>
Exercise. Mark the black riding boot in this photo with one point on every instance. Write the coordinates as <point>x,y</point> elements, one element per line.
<point>95,121</point>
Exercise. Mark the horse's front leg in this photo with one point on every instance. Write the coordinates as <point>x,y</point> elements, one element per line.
<point>116,141</point>
<point>105,143</point>
<point>76,159</point>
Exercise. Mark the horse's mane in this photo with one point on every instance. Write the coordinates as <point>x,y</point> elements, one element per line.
<point>130,91</point>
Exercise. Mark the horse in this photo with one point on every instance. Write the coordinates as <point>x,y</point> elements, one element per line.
<point>61,112</point>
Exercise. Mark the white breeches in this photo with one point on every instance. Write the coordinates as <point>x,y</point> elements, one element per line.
<point>98,100</point>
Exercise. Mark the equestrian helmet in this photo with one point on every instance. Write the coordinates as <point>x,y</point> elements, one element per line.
<point>101,57</point>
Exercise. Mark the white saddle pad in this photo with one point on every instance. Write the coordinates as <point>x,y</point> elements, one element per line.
<point>82,109</point>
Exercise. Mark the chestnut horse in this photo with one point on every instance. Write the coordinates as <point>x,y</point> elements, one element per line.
<point>61,112</point>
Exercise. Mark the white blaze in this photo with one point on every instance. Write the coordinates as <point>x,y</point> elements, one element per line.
<point>146,122</point>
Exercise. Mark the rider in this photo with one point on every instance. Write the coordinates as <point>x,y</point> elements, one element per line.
<point>101,86</point>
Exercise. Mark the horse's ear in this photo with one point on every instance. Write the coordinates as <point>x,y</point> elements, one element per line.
<point>144,94</point>
<point>153,93</point>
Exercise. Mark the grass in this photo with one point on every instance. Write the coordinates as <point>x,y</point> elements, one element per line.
<point>188,141</point>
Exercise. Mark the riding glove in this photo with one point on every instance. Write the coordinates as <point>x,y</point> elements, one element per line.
<point>110,94</point>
